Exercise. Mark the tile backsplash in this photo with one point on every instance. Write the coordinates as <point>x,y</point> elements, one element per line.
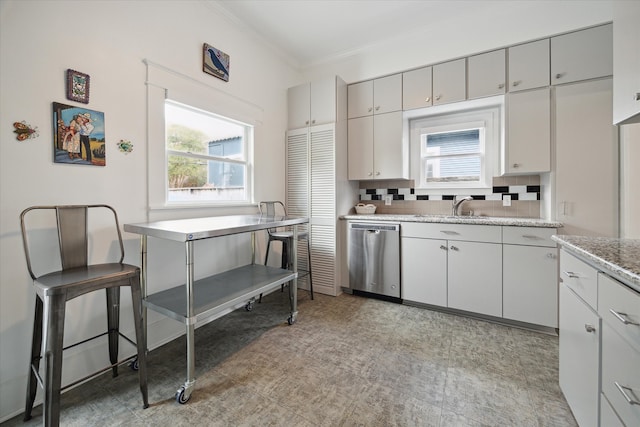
<point>524,191</point>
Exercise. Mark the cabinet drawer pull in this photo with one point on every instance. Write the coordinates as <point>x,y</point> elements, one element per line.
<point>589,328</point>
<point>622,317</point>
<point>571,275</point>
<point>626,396</point>
<point>530,236</point>
<point>453,233</point>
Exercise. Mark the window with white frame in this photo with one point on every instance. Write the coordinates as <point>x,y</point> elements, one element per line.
<point>206,156</point>
<point>457,150</point>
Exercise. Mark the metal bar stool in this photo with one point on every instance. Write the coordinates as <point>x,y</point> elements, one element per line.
<point>75,278</point>
<point>275,208</point>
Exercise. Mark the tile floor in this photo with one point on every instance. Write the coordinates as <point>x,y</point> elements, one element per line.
<point>348,361</point>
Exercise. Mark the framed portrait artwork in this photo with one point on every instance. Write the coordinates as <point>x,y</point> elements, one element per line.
<point>77,86</point>
<point>78,135</point>
<point>215,62</point>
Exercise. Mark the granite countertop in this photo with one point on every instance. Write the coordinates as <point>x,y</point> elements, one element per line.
<point>478,220</point>
<point>618,257</point>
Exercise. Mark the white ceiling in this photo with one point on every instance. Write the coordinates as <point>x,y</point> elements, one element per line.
<point>309,32</point>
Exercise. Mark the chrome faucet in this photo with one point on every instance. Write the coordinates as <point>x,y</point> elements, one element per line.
<point>456,204</point>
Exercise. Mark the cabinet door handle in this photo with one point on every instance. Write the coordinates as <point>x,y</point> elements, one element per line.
<point>454,248</point>
<point>516,83</point>
<point>313,121</point>
<point>623,317</point>
<point>438,97</point>
<point>560,75</point>
<point>589,328</point>
<point>571,275</point>
<point>370,109</point>
<point>551,255</point>
<point>370,174</point>
<point>443,247</point>
<point>516,165</point>
<point>501,86</point>
<point>377,173</point>
<point>626,396</point>
<point>377,107</point>
<point>429,99</point>
<point>636,97</point>
<point>307,122</point>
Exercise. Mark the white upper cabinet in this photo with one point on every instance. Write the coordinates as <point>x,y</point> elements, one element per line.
<point>582,55</point>
<point>378,96</point>
<point>312,103</point>
<point>529,65</point>
<point>528,137</point>
<point>376,149</point>
<point>487,74</point>
<point>416,88</point>
<point>449,82</point>
<point>626,62</point>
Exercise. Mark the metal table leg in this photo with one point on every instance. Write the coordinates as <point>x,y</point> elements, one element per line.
<point>293,289</point>
<point>184,392</point>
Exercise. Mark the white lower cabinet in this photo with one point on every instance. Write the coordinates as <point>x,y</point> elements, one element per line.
<point>619,307</point>
<point>475,277</point>
<point>501,271</point>
<point>608,417</point>
<point>530,275</point>
<point>424,272</point>
<point>580,334</point>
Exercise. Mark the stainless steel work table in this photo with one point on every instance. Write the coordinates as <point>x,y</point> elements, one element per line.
<point>204,299</point>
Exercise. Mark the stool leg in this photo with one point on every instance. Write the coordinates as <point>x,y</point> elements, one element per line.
<point>266,259</point>
<point>136,299</point>
<point>309,266</point>
<point>34,362</point>
<point>266,256</point>
<point>53,339</point>
<point>285,260</point>
<point>113,325</point>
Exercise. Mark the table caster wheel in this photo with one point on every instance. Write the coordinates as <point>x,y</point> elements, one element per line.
<point>134,364</point>
<point>249,306</point>
<point>291,320</point>
<point>181,397</point>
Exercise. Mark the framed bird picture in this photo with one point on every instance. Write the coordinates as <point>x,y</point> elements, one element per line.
<point>215,62</point>
<point>77,86</point>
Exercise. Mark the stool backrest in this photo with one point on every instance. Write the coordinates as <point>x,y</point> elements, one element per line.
<point>73,234</point>
<point>272,208</point>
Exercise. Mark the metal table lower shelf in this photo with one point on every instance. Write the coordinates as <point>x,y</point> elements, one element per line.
<point>215,295</point>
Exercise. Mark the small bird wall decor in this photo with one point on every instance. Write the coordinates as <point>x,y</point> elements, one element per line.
<point>25,131</point>
<point>215,62</point>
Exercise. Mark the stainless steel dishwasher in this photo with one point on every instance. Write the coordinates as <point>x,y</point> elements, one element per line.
<point>374,259</point>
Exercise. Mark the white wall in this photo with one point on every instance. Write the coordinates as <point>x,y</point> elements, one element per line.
<point>629,181</point>
<point>40,40</point>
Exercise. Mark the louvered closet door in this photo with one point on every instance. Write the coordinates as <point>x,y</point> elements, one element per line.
<point>297,192</point>
<point>323,208</point>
